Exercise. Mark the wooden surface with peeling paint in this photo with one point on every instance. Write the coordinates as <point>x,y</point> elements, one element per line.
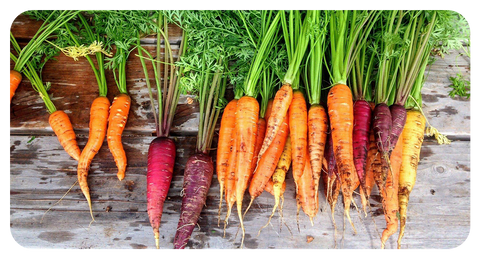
<point>41,172</point>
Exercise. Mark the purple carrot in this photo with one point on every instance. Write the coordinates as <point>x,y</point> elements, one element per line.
<point>196,183</point>
<point>161,160</point>
<point>382,126</point>
<point>362,117</point>
<point>399,116</point>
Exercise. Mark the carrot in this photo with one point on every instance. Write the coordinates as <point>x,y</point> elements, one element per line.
<point>268,110</point>
<point>306,191</point>
<point>261,127</point>
<point>96,135</point>
<point>224,146</point>
<point>332,185</point>
<point>117,120</point>
<point>230,191</point>
<point>280,105</point>
<point>372,165</point>
<point>361,132</point>
<point>413,134</point>
<point>246,119</point>
<point>298,134</point>
<point>63,129</point>
<point>15,79</point>
<point>399,115</point>
<point>268,163</point>
<point>390,193</point>
<point>340,111</point>
<point>277,185</point>
<point>161,160</point>
<point>317,137</point>
<point>197,179</point>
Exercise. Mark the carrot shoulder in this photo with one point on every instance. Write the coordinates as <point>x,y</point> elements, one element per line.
<point>96,135</point>
<point>63,129</point>
<point>116,123</point>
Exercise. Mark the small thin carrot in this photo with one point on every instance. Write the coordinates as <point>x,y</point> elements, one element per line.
<point>117,120</point>
<point>372,158</point>
<point>340,111</point>
<point>15,79</point>
<point>230,192</point>
<point>298,134</point>
<point>62,126</point>
<point>261,127</point>
<point>97,130</point>
<point>224,147</point>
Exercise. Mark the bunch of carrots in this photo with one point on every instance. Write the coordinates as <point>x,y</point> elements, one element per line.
<point>340,101</point>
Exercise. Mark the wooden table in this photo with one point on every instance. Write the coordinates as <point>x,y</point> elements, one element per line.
<point>41,172</point>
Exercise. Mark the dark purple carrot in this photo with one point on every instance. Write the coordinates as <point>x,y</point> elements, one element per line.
<point>382,126</point>
<point>197,179</point>
<point>399,116</point>
<point>161,159</point>
<point>362,117</point>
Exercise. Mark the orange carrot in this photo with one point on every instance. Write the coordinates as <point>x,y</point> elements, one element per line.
<point>340,111</point>
<point>246,119</point>
<point>15,79</point>
<point>317,137</point>
<point>268,163</point>
<point>280,106</point>
<point>298,134</point>
<point>306,191</point>
<point>230,192</point>
<point>96,135</point>
<point>224,147</point>
<point>63,129</point>
<point>390,192</point>
<point>268,110</point>
<point>117,120</point>
<point>372,158</point>
<point>261,127</point>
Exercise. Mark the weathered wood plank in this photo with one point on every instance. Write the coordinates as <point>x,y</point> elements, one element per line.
<point>41,173</point>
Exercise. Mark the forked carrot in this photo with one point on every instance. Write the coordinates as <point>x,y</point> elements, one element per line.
<point>61,125</point>
<point>306,192</point>
<point>14,79</point>
<point>117,120</point>
<point>97,130</point>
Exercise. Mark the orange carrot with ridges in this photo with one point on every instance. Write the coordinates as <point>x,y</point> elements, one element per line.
<point>340,111</point>
<point>63,129</point>
<point>98,128</point>
<point>268,163</point>
<point>246,119</point>
<point>224,147</point>
<point>280,106</point>
<point>298,134</point>
<point>117,120</point>
<point>317,137</point>
<point>390,192</point>
<point>306,192</point>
